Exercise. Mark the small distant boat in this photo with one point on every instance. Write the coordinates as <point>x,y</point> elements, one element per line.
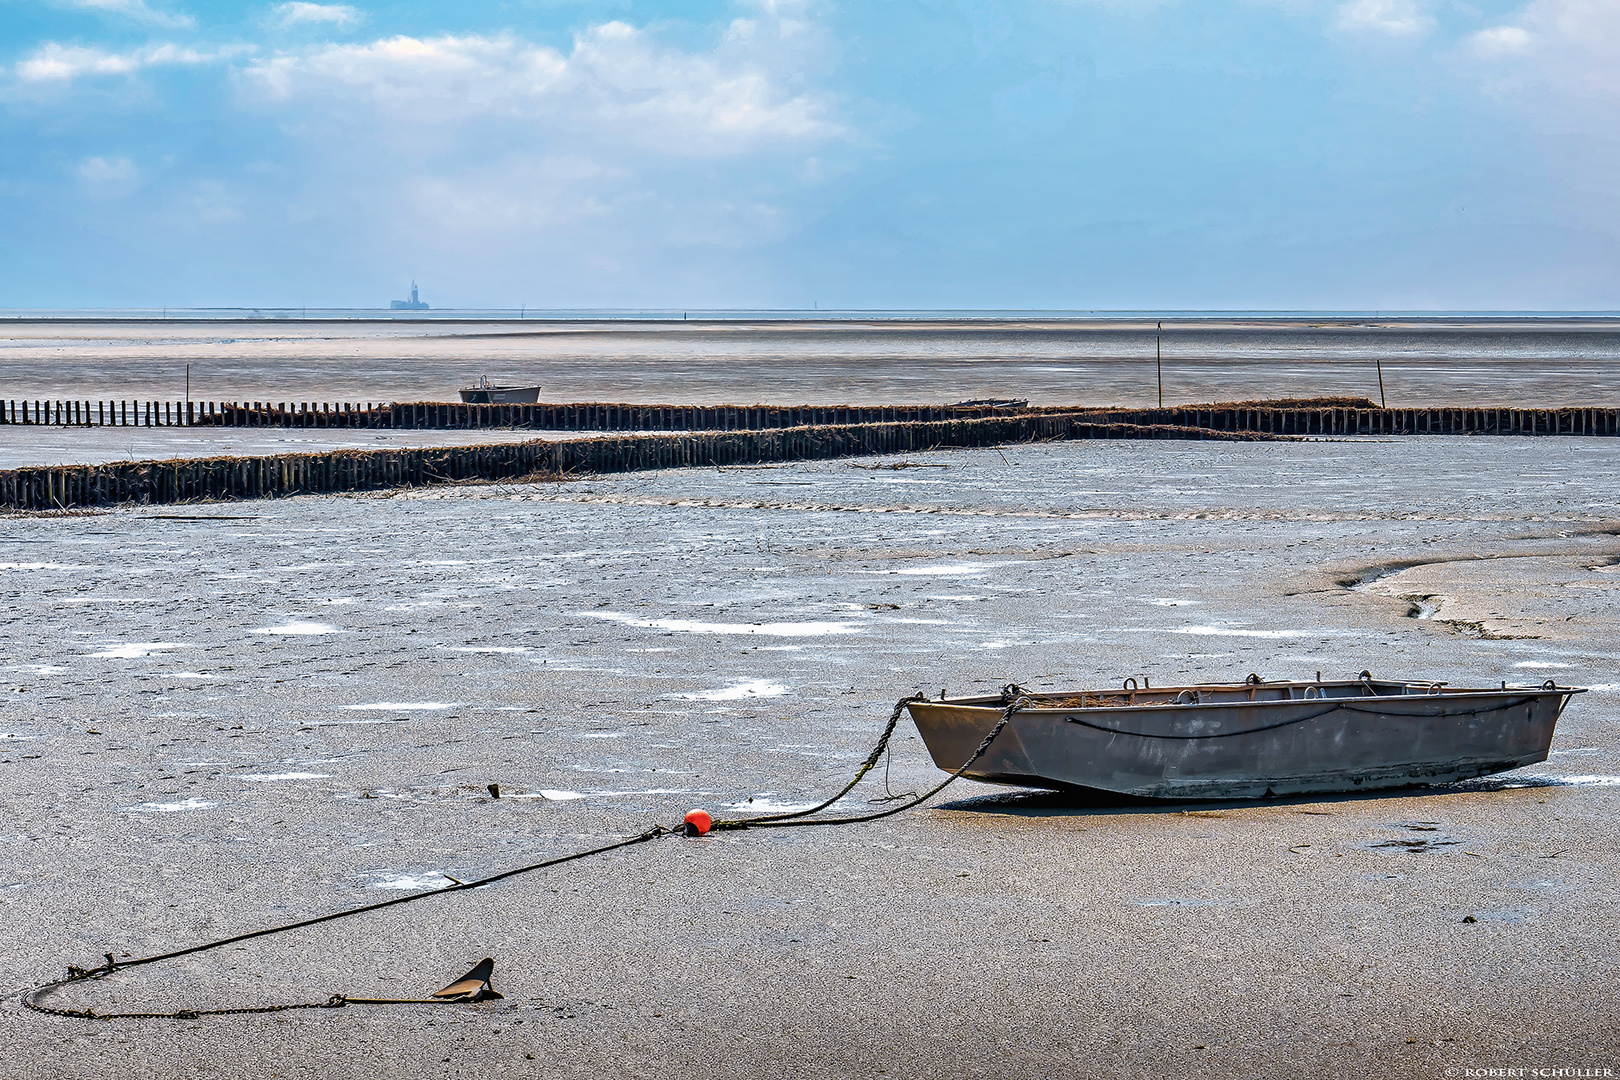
<point>487,393</point>
<point>1246,741</point>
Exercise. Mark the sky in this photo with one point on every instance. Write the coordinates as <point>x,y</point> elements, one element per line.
<point>936,154</point>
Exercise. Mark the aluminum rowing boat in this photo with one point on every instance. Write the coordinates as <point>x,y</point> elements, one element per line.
<point>1247,740</point>
<point>487,393</point>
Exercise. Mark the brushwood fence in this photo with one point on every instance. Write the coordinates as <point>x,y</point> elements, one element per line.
<point>186,480</point>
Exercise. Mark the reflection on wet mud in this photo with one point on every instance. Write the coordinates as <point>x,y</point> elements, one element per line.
<point>1037,803</point>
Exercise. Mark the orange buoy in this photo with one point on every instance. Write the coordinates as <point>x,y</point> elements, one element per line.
<point>698,822</point>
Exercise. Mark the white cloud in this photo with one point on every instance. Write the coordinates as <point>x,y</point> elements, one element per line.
<point>599,153</point>
<point>1390,18</point>
<point>101,171</point>
<point>1567,46</point>
<point>618,85</point>
<point>493,158</point>
<point>54,63</point>
<point>341,16</point>
<point>133,9</point>
<point>1501,41</point>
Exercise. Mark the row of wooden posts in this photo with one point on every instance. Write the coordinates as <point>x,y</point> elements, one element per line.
<point>104,413</point>
<point>1353,421</point>
<point>597,416</point>
<point>613,416</point>
<point>587,416</point>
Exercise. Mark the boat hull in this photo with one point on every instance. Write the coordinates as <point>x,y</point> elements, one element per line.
<point>501,395</point>
<point>1341,741</point>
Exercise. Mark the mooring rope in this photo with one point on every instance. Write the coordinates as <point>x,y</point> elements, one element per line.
<point>801,817</point>
<point>34,999</point>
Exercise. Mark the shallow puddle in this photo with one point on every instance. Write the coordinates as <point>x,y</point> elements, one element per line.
<point>760,805</point>
<point>427,879</point>
<point>136,650</point>
<point>759,688</point>
<point>171,807</point>
<point>299,629</point>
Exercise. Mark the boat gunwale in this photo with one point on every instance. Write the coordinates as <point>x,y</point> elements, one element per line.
<point>996,704</point>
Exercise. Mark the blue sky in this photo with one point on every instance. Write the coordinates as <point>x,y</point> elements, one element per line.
<point>1253,154</point>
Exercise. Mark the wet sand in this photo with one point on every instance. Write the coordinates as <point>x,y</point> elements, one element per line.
<point>224,716</point>
<point>1427,362</point>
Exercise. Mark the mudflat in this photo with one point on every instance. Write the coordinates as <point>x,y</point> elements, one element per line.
<point>220,717</point>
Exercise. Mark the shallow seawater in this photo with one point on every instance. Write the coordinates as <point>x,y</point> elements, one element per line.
<point>924,357</point>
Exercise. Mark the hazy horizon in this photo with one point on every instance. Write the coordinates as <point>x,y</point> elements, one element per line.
<point>270,313</point>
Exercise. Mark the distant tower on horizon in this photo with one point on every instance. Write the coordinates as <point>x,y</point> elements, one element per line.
<point>413,304</point>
